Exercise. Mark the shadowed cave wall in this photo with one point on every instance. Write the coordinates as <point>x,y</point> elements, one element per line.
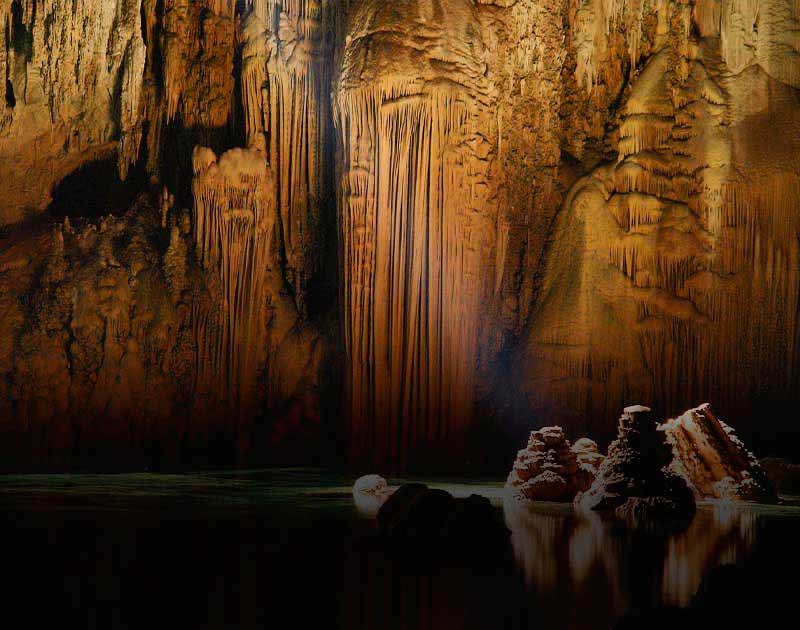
<point>393,235</point>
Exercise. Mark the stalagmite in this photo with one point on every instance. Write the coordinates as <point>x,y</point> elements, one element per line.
<point>551,469</point>
<point>634,482</point>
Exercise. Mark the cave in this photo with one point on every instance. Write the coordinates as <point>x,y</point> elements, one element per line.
<point>95,189</point>
<point>538,258</point>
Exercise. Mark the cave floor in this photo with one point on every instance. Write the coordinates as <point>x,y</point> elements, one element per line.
<point>288,548</point>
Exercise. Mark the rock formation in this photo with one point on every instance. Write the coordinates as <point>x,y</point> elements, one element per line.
<point>550,469</point>
<point>411,226</point>
<point>783,474</point>
<point>370,492</point>
<point>71,84</point>
<point>423,520</point>
<point>635,481</point>
<point>682,248</point>
<point>442,170</point>
<point>713,460</point>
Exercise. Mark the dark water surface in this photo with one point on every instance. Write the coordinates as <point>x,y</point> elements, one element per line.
<point>288,549</point>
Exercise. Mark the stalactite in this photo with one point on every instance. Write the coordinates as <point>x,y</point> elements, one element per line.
<point>597,18</point>
<point>74,72</point>
<point>5,96</point>
<point>703,241</point>
<point>190,72</point>
<point>235,222</point>
<point>417,231</point>
<point>762,32</point>
<point>287,65</point>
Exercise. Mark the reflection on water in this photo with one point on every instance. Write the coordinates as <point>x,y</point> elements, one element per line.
<point>251,549</point>
<point>722,535</point>
<point>557,549</point>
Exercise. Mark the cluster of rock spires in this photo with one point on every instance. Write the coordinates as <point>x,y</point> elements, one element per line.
<point>390,201</point>
<point>651,470</point>
<point>653,474</point>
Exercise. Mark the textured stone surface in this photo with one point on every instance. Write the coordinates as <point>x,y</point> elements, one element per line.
<point>635,481</point>
<point>550,469</point>
<point>714,461</point>
<point>72,76</point>
<point>672,274</point>
<point>424,223</point>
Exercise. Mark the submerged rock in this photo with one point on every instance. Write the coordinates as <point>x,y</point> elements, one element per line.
<point>420,516</point>
<point>550,469</point>
<point>635,480</point>
<point>713,460</point>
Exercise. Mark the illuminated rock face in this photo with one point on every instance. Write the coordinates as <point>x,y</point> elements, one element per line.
<point>447,115</point>
<point>529,209</point>
<point>417,225</point>
<point>207,336</point>
<point>235,219</point>
<point>713,460</point>
<point>71,76</point>
<point>672,274</point>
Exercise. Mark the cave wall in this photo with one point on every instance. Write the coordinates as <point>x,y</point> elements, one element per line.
<point>408,232</point>
<point>180,336</point>
<point>684,249</point>
<point>70,91</point>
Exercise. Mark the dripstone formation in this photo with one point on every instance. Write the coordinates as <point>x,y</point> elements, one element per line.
<point>407,228</point>
<point>550,469</point>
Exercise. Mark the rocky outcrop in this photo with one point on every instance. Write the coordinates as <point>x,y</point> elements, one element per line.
<point>588,455</point>
<point>635,481</point>
<point>713,460</point>
<point>71,86</point>
<point>783,474</point>
<point>673,269</point>
<point>550,469</point>
<point>118,351</point>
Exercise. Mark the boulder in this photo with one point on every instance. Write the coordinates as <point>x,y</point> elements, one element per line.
<point>422,517</point>
<point>370,492</point>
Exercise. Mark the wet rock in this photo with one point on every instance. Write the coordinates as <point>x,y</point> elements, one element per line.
<point>635,481</point>
<point>370,492</point>
<point>713,460</point>
<point>550,469</point>
<point>419,516</point>
<point>783,474</point>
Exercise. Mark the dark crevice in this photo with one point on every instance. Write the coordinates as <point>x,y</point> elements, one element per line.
<point>11,100</point>
<point>95,190</point>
